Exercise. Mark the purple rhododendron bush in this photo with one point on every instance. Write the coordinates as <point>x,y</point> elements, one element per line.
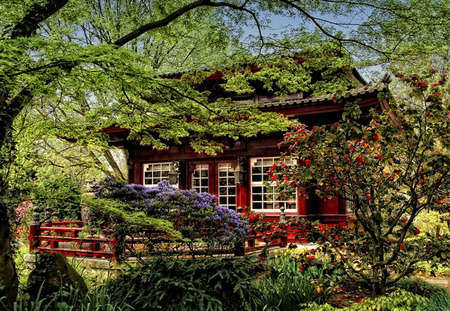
<point>204,226</point>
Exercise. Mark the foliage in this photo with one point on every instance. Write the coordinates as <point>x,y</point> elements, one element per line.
<point>432,268</point>
<point>298,277</point>
<point>321,270</point>
<point>396,300</point>
<point>21,264</point>
<point>175,284</point>
<point>61,195</point>
<point>286,292</point>
<point>390,167</point>
<point>194,215</point>
<point>71,299</point>
<point>438,301</point>
<point>418,287</point>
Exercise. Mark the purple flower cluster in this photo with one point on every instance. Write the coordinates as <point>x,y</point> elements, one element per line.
<point>195,215</point>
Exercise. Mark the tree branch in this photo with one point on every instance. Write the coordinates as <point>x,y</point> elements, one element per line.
<point>36,15</point>
<point>326,32</point>
<point>160,23</point>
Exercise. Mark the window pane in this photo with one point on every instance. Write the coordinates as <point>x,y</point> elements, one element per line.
<point>200,180</point>
<point>262,195</point>
<point>226,185</point>
<point>155,173</point>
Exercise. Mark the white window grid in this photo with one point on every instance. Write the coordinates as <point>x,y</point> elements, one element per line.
<point>200,178</point>
<point>155,173</point>
<point>227,186</point>
<point>262,195</point>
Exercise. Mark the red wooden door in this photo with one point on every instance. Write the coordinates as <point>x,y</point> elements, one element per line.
<point>215,177</point>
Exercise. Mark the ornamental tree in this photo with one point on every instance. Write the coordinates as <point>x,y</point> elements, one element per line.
<point>389,166</point>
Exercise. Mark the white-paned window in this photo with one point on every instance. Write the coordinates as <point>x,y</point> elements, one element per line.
<point>227,187</point>
<point>262,195</point>
<point>200,178</point>
<point>156,172</point>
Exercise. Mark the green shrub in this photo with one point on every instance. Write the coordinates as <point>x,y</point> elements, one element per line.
<point>282,293</point>
<point>62,195</point>
<point>299,276</point>
<point>321,270</point>
<point>398,300</point>
<point>418,287</point>
<point>175,284</point>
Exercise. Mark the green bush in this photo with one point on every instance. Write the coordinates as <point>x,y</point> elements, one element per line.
<point>62,195</point>
<point>398,300</point>
<point>283,293</point>
<point>299,276</point>
<point>418,287</point>
<point>192,284</point>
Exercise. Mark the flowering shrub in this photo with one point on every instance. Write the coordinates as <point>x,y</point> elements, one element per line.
<point>195,215</point>
<point>390,167</point>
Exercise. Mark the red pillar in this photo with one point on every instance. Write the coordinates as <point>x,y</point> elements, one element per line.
<point>34,231</point>
<point>241,195</point>
<point>302,208</point>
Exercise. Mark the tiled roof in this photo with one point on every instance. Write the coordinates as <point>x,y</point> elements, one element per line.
<point>355,92</point>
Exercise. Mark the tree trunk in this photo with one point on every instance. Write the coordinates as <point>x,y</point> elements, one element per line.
<point>8,277</point>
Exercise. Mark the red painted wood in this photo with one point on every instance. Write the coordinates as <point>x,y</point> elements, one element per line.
<point>33,237</point>
<point>301,206</point>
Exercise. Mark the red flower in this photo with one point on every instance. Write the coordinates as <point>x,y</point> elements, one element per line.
<point>360,159</point>
<point>417,231</point>
<point>423,84</point>
<point>262,258</point>
<point>273,178</point>
<point>301,268</point>
<point>379,156</point>
<point>369,198</point>
<point>404,220</point>
<point>336,124</point>
<point>274,167</point>
<point>360,299</point>
<point>376,138</point>
<point>307,162</point>
<point>401,246</point>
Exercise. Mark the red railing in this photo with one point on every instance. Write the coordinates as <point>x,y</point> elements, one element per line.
<point>72,239</point>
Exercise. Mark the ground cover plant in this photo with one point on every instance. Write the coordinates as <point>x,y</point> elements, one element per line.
<point>390,166</point>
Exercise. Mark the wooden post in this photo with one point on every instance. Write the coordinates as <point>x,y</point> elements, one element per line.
<point>34,230</point>
<point>115,248</point>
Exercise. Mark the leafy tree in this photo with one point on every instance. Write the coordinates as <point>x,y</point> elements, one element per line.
<point>389,169</point>
<point>109,77</point>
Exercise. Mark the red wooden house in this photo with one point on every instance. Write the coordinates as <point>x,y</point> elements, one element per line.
<point>237,175</point>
